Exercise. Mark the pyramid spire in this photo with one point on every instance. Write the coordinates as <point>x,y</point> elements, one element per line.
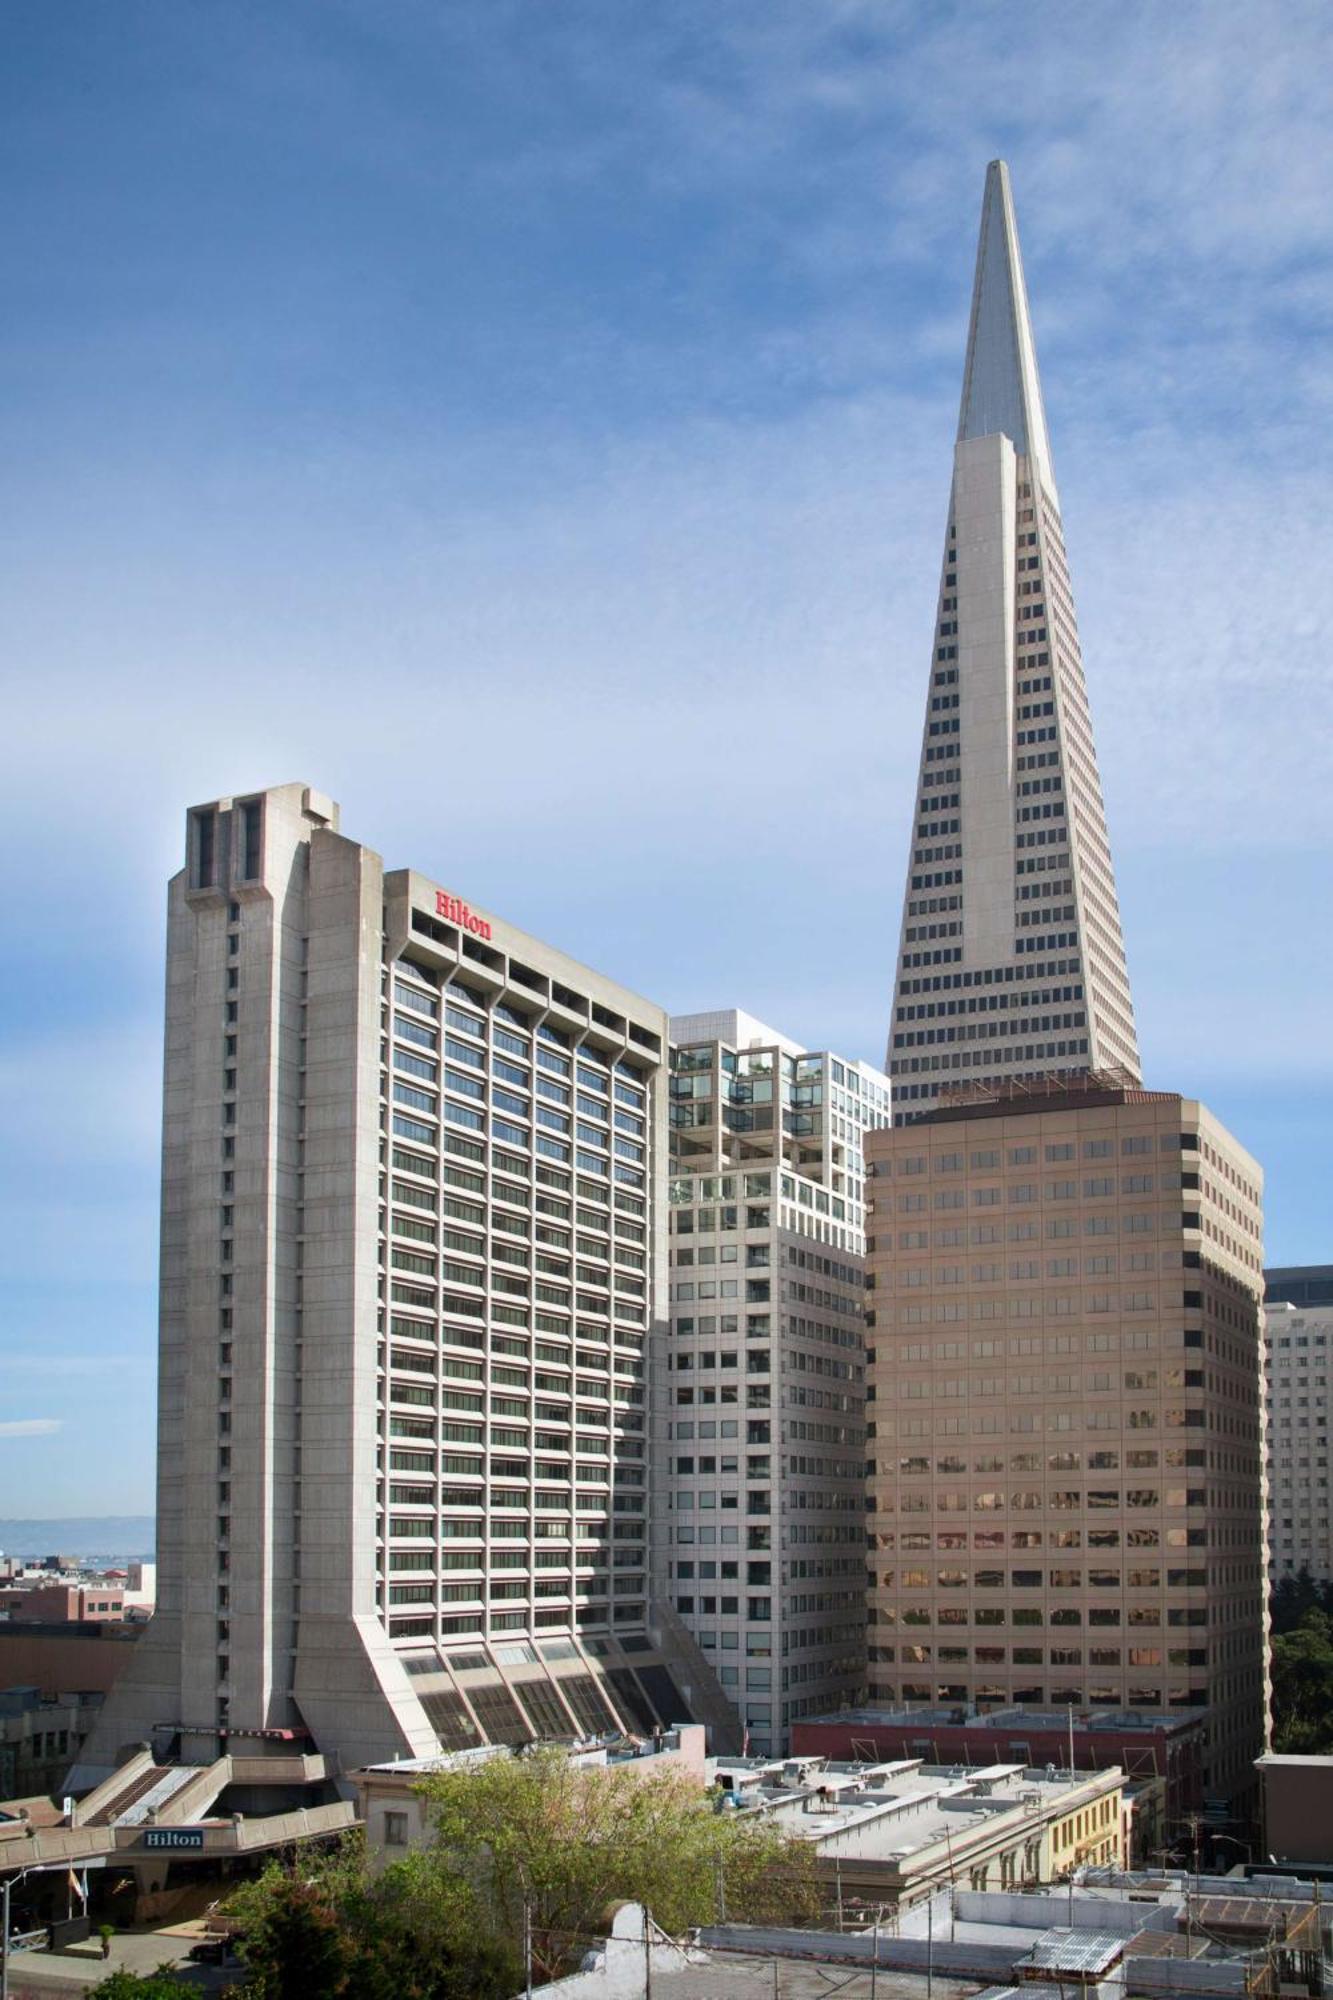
<point>1001,387</point>
<point>1010,959</point>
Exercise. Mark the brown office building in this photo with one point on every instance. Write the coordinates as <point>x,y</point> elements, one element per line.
<point>1065,1451</point>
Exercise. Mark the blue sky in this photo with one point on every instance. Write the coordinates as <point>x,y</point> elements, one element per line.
<point>530,421</point>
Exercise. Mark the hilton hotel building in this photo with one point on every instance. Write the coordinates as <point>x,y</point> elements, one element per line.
<point>413,1249</point>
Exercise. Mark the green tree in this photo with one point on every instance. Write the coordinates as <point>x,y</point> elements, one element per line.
<point>419,1938</point>
<point>298,1948</point>
<point>138,1986</point>
<point>319,1927</point>
<point>1302,1666</point>
<point>568,1841</point>
<point>1294,1595</point>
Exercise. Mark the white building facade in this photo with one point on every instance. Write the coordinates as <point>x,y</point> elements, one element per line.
<point>1298,1404</point>
<point>1010,961</point>
<point>413,1257</point>
<point>760,1429</point>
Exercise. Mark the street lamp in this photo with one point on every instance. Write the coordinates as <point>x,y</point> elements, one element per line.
<point>1233,1840</point>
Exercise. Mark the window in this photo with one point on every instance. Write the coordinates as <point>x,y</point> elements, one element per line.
<point>395,1829</point>
<point>205,849</point>
<point>251,831</point>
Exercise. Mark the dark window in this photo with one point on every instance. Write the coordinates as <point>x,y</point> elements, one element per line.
<point>543,1705</point>
<point>499,1716</point>
<point>251,824</point>
<point>631,1697</point>
<point>449,1719</point>
<point>205,849</point>
<point>588,1703</point>
<point>666,1696</point>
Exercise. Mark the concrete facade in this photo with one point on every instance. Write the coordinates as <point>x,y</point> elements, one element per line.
<point>1298,1404</point>
<point>1011,960</point>
<point>759,1446</point>
<point>1066,1485</point>
<point>413,1258</point>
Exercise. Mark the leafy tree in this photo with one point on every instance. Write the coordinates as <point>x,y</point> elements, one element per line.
<point>138,1986</point>
<point>1294,1595</point>
<point>568,1841</point>
<point>420,1939</point>
<point>300,1949</point>
<point>318,1927</point>
<point>1303,1687</point>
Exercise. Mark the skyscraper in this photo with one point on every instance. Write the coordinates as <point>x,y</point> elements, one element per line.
<point>759,1426</point>
<point>1011,962</point>
<point>1066,1496</point>
<point>413,1255</point>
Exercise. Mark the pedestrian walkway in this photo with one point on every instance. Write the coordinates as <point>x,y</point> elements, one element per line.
<point>41,1975</point>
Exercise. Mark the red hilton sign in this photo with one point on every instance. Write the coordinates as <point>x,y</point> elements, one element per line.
<point>455,911</point>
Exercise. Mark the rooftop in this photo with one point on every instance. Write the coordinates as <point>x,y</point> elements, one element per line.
<point>907,1806</point>
<point>1057,1090</point>
<point>1008,1719</point>
<point>610,1749</point>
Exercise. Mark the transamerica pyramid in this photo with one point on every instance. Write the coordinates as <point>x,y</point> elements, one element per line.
<point>1011,962</point>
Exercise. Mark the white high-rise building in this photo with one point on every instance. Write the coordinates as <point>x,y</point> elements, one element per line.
<point>1298,1398</point>
<point>1011,962</point>
<point>759,1425</point>
<point>413,1259</point>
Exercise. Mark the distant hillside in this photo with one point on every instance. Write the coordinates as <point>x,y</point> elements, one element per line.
<point>130,1536</point>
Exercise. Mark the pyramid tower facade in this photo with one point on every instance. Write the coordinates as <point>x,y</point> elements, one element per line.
<point>1011,962</point>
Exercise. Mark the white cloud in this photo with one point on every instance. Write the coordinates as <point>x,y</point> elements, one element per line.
<point>30,1427</point>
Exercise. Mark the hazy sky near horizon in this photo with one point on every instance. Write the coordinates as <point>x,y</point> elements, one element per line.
<point>530,421</point>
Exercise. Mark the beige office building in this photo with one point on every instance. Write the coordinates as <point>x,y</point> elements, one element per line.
<point>1298,1356</point>
<point>413,1261</point>
<point>1066,1483</point>
<point>759,1451</point>
<point>1010,956</point>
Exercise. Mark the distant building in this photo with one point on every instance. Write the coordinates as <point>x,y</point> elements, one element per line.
<point>65,1603</point>
<point>141,1583</point>
<point>1299,1284</point>
<point>760,1445</point>
<point>39,1738</point>
<point>1298,1403</point>
<point>59,1658</point>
